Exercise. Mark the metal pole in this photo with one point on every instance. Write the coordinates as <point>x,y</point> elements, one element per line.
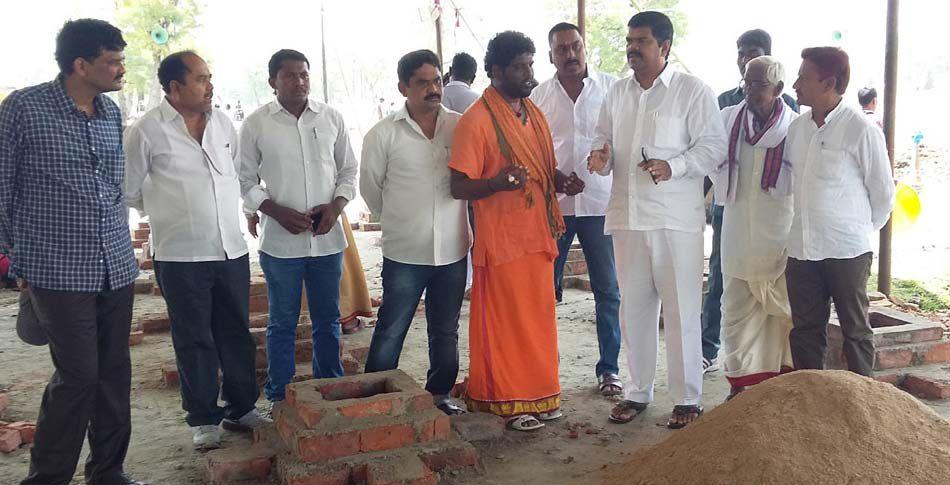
<point>323,56</point>
<point>890,108</point>
<point>582,16</point>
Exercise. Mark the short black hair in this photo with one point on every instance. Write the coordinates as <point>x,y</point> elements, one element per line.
<point>757,38</point>
<point>414,60</point>
<point>561,27</point>
<point>85,38</point>
<point>660,25</point>
<point>504,47</point>
<point>277,60</point>
<point>866,95</point>
<point>173,68</point>
<point>463,66</point>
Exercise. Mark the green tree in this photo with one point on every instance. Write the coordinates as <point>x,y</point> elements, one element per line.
<point>607,28</point>
<point>138,19</point>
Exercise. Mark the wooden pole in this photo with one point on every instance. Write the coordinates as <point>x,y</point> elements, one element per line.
<point>582,17</point>
<point>890,109</point>
<point>323,56</point>
<point>438,31</point>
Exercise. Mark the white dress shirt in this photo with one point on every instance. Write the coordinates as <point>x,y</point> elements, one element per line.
<point>190,191</point>
<point>676,120</point>
<point>843,187</point>
<point>303,163</point>
<point>404,179</point>
<point>458,96</point>
<point>572,129</point>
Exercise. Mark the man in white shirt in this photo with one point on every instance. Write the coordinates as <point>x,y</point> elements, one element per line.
<point>181,171</point>
<point>843,192</point>
<point>404,178</point>
<point>659,133</point>
<point>571,102</point>
<point>301,151</point>
<point>458,94</point>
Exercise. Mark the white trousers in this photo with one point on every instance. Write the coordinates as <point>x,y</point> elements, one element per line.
<point>654,267</point>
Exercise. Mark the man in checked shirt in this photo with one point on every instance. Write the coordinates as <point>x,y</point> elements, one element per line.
<point>65,226</point>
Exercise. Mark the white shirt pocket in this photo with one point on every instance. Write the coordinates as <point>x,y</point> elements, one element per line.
<point>830,163</point>
<point>669,132</point>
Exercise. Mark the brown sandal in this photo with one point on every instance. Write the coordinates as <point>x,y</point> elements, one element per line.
<point>680,411</point>
<point>621,412</point>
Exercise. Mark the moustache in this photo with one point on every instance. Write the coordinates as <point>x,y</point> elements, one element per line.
<point>434,97</point>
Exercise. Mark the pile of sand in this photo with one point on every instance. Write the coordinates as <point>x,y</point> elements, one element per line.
<point>806,427</point>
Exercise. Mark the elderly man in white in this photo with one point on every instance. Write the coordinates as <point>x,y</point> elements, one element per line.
<point>754,186</point>
<point>659,133</point>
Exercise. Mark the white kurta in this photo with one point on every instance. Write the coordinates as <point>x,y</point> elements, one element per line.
<point>756,318</point>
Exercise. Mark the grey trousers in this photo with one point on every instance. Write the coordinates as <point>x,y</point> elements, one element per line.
<point>812,286</point>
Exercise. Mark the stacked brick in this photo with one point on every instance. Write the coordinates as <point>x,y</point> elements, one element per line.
<point>378,428</point>
<point>910,352</point>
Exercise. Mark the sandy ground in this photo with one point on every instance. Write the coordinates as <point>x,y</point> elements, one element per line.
<point>161,442</point>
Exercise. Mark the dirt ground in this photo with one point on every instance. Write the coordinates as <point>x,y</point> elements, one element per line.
<point>161,452</point>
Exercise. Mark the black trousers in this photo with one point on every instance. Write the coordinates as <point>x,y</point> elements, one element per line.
<point>812,285</point>
<point>208,309</point>
<point>89,391</point>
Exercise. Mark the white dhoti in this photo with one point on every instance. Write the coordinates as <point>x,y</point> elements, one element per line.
<point>653,267</point>
<point>755,326</point>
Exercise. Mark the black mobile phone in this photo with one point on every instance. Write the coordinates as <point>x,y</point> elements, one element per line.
<point>315,217</point>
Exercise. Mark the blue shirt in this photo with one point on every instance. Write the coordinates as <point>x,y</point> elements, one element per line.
<point>62,219</point>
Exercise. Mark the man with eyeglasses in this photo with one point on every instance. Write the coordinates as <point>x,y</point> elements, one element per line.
<point>751,44</point>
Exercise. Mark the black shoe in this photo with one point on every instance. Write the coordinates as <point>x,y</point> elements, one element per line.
<point>557,295</point>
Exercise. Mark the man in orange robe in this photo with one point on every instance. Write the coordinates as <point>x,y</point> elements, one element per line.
<point>503,160</point>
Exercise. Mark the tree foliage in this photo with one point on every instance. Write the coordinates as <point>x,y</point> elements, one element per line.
<point>137,19</point>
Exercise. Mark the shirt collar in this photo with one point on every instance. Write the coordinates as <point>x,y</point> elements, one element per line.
<point>167,111</point>
<point>66,103</point>
<point>666,75</point>
<point>457,83</point>
<point>275,106</point>
<point>590,78</point>
<point>831,114</point>
<point>403,114</point>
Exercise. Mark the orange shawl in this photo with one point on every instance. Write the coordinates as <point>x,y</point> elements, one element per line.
<point>519,152</point>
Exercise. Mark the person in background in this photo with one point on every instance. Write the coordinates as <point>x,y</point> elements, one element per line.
<point>867,98</point>
<point>458,95</point>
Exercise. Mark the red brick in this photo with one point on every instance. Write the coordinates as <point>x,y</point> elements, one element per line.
<point>351,366</point>
<point>257,303</point>
<point>303,350</point>
<point>575,268</point>
<point>258,288</point>
<point>893,357</point>
<point>156,290</point>
<point>170,376</point>
<point>136,338</point>
<point>362,408</point>
<point>448,456</point>
<point>937,353</point>
<point>259,335</point>
<point>154,323</point>
<point>141,234</point>
<point>300,475</point>
<point>927,387</point>
<point>375,302</point>
<point>143,287</point>
<point>407,470</point>
<point>146,265</point>
<point>386,437</point>
<point>229,465</point>
<point>258,321</point>
<point>10,440</point>
<point>137,243</point>
<point>144,225</point>
<point>370,226</point>
<point>27,430</point>
<point>360,353</point>
<point>322,447</point>
<point>260,357</point>
<point>310,415</point>
<point>337,390</point>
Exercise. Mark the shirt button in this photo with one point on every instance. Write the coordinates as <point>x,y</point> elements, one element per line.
<point>101,261</point>
<point>93,148</point>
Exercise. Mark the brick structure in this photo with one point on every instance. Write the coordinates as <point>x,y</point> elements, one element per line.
<point>378,428</point>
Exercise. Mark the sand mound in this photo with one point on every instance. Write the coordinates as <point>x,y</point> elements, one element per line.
<point>808,427</point>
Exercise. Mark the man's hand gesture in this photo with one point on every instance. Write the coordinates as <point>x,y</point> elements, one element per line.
<point>597,161</point>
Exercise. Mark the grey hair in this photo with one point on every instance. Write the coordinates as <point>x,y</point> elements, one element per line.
<point>774,71</point>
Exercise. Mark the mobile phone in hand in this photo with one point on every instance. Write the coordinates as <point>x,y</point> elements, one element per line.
<point>315,218</point>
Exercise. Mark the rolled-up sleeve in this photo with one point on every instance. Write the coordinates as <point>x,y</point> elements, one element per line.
<point>707,137</point>
<point>346,165</point>
<point>603,133</point>
<point>250,162</point>
<point>878,180</point>
<point>373,162</point>
<point>137,154</point>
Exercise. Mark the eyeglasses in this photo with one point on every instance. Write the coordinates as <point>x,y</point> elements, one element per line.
<point>754,84</point>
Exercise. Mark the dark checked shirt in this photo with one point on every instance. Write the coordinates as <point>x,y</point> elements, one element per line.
<point>62,218</point>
